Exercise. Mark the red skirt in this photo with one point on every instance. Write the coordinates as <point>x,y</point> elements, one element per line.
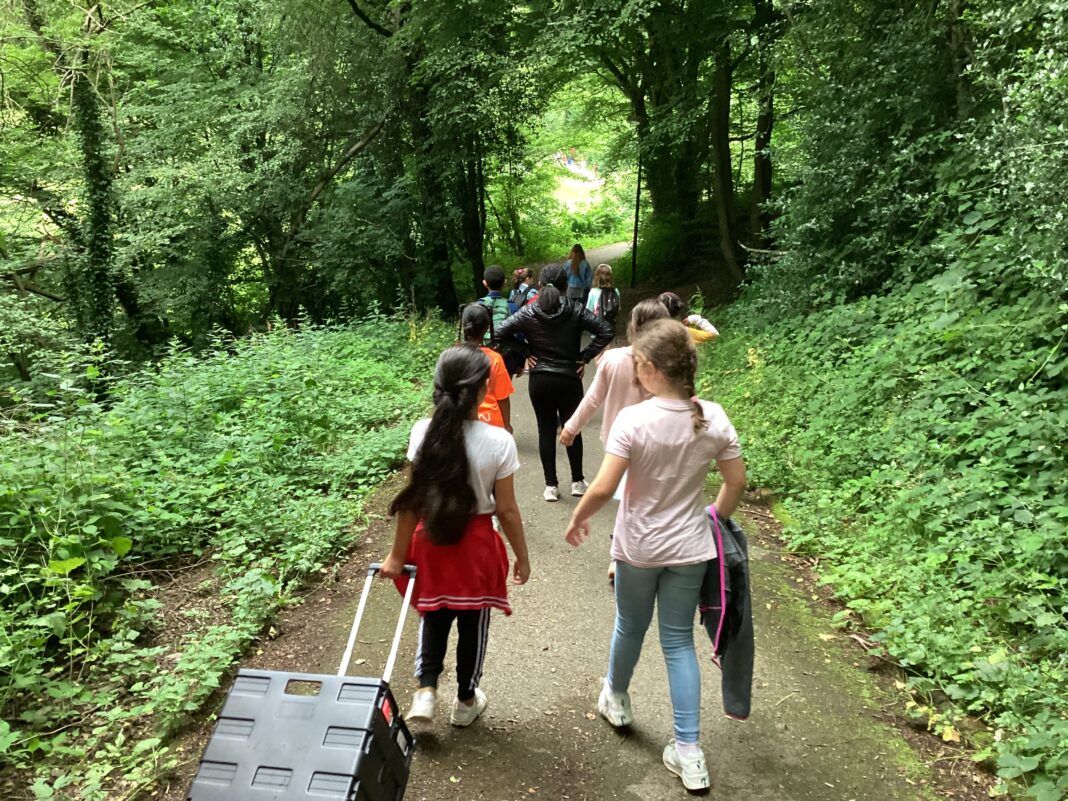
<point>472,574</point>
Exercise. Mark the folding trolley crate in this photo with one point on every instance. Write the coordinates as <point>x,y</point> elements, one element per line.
<point>345,741</point>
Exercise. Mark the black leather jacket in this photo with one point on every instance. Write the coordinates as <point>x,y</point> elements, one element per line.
<point>554,338</point>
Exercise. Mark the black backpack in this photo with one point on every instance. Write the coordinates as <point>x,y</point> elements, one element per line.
<point>608,304</point>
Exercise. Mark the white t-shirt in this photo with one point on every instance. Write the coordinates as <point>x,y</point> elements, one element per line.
<point>491,455</point>
<point>661,521</point>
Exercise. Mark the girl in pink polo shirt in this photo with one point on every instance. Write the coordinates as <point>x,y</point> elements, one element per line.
<point>662,541</point>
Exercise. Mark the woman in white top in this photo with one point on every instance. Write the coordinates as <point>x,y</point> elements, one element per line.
<point>662,541</point>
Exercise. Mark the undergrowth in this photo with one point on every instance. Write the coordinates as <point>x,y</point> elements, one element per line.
<point>255,457</point>
<point>920,440</point>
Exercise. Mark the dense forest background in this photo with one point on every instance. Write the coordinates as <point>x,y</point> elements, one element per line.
<point>217,218</point>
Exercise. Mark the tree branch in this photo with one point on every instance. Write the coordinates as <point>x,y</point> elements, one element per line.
<point>370,23</point>
<point>339,165</point>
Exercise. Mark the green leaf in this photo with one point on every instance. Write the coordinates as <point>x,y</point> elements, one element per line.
<point>121,545</point>
<point>7,736</point>
<point>63,567</point>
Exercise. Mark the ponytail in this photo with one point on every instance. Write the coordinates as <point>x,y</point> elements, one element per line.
<point>673,303</point>
<point>475,321</point>
<point>439,487</point>
<point>553,283</point>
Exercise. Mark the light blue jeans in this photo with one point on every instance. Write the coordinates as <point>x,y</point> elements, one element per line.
<point>675,592</point>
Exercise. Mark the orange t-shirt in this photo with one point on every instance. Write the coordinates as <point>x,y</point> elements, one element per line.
<point>499,388</point>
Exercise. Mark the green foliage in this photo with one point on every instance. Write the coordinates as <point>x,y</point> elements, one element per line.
<point>253,458</point>
<point>921,439</point>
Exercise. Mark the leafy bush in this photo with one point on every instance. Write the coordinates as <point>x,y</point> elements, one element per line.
<point>921,439</point>
<point>255,456</point>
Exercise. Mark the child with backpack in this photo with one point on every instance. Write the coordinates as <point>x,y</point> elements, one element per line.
<point>500,310</point>
<point>522,285</point>
<point>461,473</point>
<point>604,298</point>
<point>496,408</point>
<point>662,541</point>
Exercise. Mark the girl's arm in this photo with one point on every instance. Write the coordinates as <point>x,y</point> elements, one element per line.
<point>512,523</point>
<point>602,332</point>
<point>393,565</point>
<point>505,405</point>
<point>591,401</point>
<point>730,492</point>
<point>697,321</point>
<point>599,493</point>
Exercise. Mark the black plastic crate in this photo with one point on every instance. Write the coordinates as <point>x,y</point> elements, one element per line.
<point>276,741</point>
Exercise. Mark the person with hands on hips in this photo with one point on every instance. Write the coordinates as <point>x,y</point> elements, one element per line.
<point>552,325</point>
<point>461,474</point>
<point>662,541</point>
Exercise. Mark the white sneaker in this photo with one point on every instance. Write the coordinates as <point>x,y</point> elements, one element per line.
<point>578,488</point>
<point>464,714</point>
<point>424,702</point>
<point>615,707</point>
<point>691,770</point>
<point>551,494</point>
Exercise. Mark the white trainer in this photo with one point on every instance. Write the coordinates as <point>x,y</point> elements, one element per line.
<point>465,714</point>
<point>692,770</point>
<point>424,702</point>
<point>578,488</point>
<point>551,494</point>
<point>615,707</point>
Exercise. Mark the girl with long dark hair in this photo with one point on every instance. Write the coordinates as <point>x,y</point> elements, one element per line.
<point>461,474</point>
<point>552,325</point>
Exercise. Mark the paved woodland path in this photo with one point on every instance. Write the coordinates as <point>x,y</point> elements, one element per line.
<point>821,726</point>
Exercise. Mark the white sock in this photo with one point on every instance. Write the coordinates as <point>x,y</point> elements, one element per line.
<point>688,750</point>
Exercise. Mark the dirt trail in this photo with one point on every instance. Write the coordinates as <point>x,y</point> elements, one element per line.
<point>811,735</point>
<point>818,728</point>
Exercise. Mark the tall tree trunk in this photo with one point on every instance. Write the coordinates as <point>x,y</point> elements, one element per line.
<point>721,161</point>
<point>958,49</point>
<point>434,285</point>
<point>472,211</point>
<point>89,280</point>
<point>91,285</point>
<point>764,19</point>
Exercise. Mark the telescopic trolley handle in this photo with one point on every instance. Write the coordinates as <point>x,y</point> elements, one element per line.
<point>372,571</point>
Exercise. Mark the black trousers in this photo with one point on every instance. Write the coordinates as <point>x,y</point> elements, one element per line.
<point>472,628</point>
<point>555,396</point>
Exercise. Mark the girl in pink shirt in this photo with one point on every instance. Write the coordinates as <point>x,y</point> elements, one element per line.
<point>662,541</point>
<point>615,384</point>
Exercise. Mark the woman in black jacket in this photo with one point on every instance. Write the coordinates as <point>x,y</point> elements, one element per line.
<point>553,326</point>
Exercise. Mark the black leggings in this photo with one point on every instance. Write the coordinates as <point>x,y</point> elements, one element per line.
<point>555,397</point>
<point>472,628</point>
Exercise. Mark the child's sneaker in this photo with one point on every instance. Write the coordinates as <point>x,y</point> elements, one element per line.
<point>551,494</point>
<point>691,770</point>
<point>578,488</point>
<point>614,707</point>
<point>424,702</point>
<point>465,714</point>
